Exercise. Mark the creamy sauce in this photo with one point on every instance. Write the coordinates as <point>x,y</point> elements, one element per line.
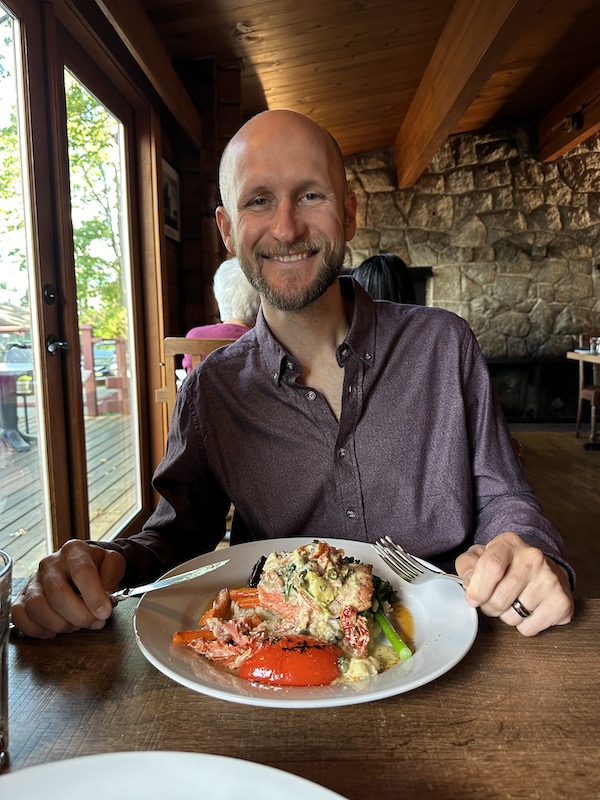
<point>308,592</point>
<point>386,656</point>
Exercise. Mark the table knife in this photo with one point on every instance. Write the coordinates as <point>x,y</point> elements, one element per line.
<point>123,594</point>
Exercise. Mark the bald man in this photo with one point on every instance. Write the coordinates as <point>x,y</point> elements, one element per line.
<point>323,420</point>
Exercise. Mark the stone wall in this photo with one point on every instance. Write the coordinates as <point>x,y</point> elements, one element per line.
<point>514,244</point>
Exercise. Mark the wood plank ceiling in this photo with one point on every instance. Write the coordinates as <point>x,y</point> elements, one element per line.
<point>402,74</point>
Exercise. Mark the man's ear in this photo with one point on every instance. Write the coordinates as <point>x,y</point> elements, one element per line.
<point>224,226</point>
<point>350,205</point>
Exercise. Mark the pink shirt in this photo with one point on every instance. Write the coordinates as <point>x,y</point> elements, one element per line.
<point>220,330</point>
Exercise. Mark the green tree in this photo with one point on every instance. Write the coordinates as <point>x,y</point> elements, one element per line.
<point>11,205</point>
<point>95,169</point>
<point>12,251</point>
<point>95,181</point>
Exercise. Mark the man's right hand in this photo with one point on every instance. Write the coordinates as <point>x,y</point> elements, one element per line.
<point>69,591</point>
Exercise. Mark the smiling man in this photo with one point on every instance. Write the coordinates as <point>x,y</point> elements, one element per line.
<point>323,421</point>
<point>287,213</point>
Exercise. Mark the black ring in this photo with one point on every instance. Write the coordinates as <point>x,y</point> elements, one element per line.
<point>15,633</point>
<point>520,609</point>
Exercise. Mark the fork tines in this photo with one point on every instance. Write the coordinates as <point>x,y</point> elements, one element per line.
<point>397,558</point>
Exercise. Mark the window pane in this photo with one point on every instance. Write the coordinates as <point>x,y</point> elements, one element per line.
<point>23,523</point>
<point>104,304</point>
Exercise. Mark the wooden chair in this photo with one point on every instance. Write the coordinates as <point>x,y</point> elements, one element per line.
<point>590,392</point>
<point>519,449</point>
<point>175,347</point>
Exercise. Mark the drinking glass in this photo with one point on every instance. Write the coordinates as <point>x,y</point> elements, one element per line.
<point>5,597</point>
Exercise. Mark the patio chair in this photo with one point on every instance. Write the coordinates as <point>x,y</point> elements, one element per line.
<point>25,391</point>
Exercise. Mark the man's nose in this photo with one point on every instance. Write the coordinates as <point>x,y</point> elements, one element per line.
<point>286,223</point>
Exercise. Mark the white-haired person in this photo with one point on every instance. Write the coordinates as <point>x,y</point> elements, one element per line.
<point>238,303</point>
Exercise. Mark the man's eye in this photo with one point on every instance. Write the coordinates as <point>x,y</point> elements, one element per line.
<point>311,196</point>
<point>258,201</point>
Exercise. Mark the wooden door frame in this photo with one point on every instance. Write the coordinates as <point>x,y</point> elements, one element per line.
<point>48,26</point>
<point>87,55</point>
<point>42,238</point>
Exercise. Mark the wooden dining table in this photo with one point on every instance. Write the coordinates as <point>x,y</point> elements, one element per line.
<point>584,355</point>
<point>515,718</point>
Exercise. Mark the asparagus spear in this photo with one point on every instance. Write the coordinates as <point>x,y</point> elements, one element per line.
<point>383,592</point>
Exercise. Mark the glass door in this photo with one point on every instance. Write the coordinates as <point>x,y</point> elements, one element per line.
<point>72,458</point>
<point>24,521</point>
<point>101,245</point>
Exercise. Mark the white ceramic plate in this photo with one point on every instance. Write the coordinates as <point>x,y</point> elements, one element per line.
<point>445,629</point>
<point>156,776</point>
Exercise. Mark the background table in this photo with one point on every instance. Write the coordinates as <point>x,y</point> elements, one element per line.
<point>9,373</point>
<point>517,718</point>
<point>589,358</point>
<point>592,358</point>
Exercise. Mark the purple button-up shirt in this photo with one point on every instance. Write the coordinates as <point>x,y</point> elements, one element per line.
<point>421,449</point>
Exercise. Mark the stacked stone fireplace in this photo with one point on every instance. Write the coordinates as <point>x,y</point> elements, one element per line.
<point>514,248</point>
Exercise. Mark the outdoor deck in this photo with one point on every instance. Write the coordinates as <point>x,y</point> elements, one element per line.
<point>111,491</point>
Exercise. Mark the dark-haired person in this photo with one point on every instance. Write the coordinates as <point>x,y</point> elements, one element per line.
<point>386,277</point>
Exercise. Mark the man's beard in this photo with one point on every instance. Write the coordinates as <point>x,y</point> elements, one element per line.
<point>295,299</point>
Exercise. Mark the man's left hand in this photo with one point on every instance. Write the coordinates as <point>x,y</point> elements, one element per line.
<point>507,569</point>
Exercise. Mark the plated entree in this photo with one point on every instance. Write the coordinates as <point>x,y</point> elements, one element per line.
<point>312,616</point>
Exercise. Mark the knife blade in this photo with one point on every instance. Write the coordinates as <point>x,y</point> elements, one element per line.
<point>123,594</point>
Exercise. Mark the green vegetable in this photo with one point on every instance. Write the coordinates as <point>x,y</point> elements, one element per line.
<point>288,581</point>
<point>319,588</point>
<point>384,592</point>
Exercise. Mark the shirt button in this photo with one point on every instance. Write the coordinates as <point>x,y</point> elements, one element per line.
<point>350,513</point>
<point>368,356</point>
<point>311,395</point>
<point>275,376</point>
<point>290,365</point>
<point>342,452</point>
<point>345,352</point>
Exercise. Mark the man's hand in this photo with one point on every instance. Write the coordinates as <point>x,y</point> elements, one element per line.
<point>508,568</point>
<point>69,591</point>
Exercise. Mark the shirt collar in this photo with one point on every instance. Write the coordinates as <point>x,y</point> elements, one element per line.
<point>360,340</point>
<point>361,335</point>
<point>272,354</point>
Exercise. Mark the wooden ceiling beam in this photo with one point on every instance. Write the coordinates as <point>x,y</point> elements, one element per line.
<point>476,37</point>
<point>572,120</point>
<point>133,26</point>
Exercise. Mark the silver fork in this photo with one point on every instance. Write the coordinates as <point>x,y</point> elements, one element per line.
<point>407,566</point>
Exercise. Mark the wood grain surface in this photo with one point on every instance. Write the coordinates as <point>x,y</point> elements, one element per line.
<point>517,718</point>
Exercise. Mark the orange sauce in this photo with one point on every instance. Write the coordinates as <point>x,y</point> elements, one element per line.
<point>405,624</point>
